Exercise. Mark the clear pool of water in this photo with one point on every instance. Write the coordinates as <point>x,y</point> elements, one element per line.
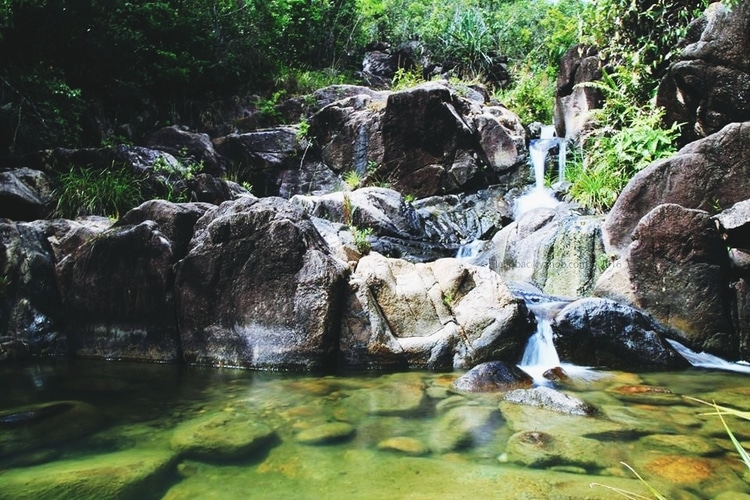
<point>86,429</point>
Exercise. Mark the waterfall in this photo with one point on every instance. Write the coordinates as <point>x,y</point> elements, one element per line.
<point>539,196</point>
<point>561,159</point>
<point>540,353</point>
<point>706,360</point>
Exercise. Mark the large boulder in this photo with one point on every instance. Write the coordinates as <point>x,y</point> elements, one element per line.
<point>601,332</point>
<point>117,293</point>
<point>708,84</point>
<point>677,268</point>
<point>30,306</point>
<point>191,146</point>
<point>575,101</point>
<point>709,174</point>
<point>259,288</point>
<point>438,315</point>
<point>277,161</point>
<point>25,194</point>
<point>423,141</point>
<point>557,250</point>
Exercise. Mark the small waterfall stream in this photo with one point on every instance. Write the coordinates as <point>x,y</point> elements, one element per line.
<point>539,196</point>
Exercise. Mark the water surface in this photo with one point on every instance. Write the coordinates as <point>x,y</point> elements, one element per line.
<point>87,429</point>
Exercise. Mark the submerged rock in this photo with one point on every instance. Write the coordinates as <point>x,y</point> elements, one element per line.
<point>541,449</point>
<point>404,445</point>
<point>330,433</point>
<point>222,436</point>
<point>46,425</point>
<point>464,427</point>
<point>550,399</point>
<point>136,473</point>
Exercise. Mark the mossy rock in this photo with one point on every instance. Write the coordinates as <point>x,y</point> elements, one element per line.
<point>46,425</point>
<point>222,436</point>
<point>464,427</point>
<point>125,474</point>
<point>330,433</point>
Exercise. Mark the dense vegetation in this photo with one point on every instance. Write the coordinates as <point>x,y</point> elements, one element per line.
<point>89,72</point>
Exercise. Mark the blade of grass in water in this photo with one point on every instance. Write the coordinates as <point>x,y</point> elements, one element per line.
<point>629,494</point>
<point>721,411</point>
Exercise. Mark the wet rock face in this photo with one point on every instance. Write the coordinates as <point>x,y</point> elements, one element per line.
<point>600,332</point>
<point>116,289</point>
<point>708,85</point>
<point>30,306</point>
<point>258,289</point>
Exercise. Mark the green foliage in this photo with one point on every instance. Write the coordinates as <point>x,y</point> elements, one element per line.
<point>532,95</point>
<point>405,79</point>
<point>615,156</point>
<point>91,191</point>
<point>628,137</point>
<point>469,42</point>
<point>362,239</point>
<point>352,179</point>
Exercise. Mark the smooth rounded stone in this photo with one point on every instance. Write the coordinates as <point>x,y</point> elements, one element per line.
<point>493,376</point>
<point>405,445</point>
<point>47,424</point>
<point>435,392</point>
<point>732,495</point>
<point>450,403</point>
<point>395,398</point>
<point>541,449</point>
<point>124,474</point>
<point>680,443</point>
<point>221,436</point>
<point>642,419</point>
<point>550,399</point>
<point>330,433</point>
<point>464,427</point>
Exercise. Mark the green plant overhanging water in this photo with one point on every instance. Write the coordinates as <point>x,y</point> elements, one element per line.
<point>724,410</point>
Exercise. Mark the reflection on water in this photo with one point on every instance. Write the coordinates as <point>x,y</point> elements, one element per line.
<point>117,430</point>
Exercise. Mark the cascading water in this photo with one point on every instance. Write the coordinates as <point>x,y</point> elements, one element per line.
<point>539,196</point>
<point>706,360</point>
<point>540,354</point>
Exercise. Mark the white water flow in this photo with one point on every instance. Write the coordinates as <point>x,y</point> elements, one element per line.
<point>541,355</point>
<point>706,360</point>
<point>539,196</point>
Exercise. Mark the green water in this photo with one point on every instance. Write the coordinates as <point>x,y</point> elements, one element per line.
<point>121,430</point>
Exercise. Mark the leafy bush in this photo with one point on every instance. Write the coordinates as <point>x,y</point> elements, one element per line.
<point>532,94</point>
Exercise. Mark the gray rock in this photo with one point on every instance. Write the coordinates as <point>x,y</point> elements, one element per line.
<point>601,332</point>
<point>117,293</point>
<point>492,376</point>
<point>31,312</point>
<point>573,101</point>
<point>437,315</point>
<point>709,174</point>
<point>259,288</point>
<point>550,399</point>
<point>708,84</point>
<point>25,194</point>
<point>676,249</point>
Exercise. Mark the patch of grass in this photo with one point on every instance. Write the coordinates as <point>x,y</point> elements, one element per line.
<point>361,239</point>
<point>109,192</point>
<point>352,179</point>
